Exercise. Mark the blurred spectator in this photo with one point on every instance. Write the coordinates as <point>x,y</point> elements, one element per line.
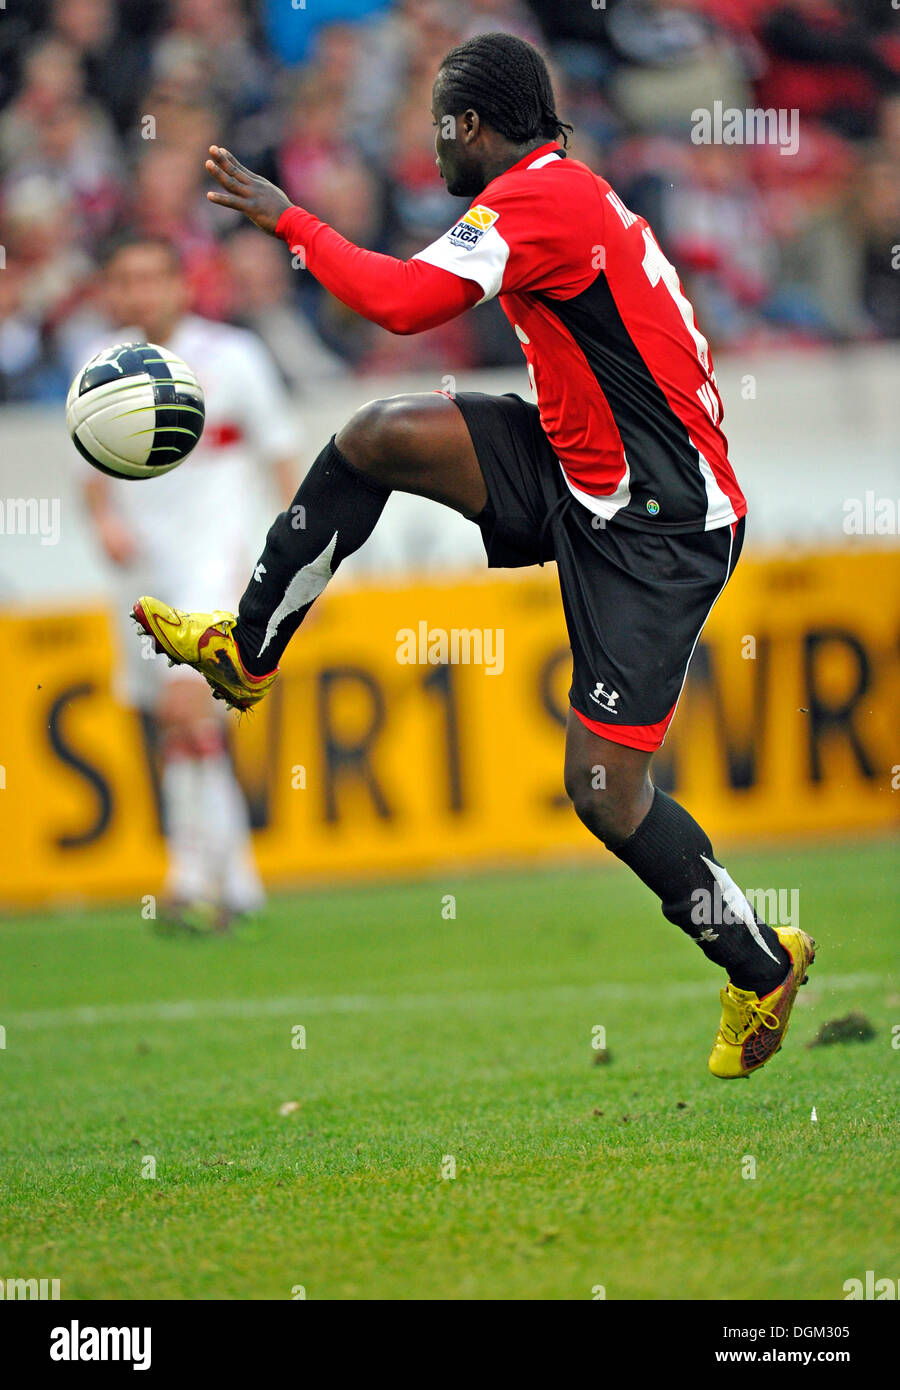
<point>826,61</point>
<point>717,236</point>
<point>113,64</point>
<point>170,203</point>
<point>805,201</point>
<point>420,207</point>
<point>38,217</point>
<point>217,33</point>
<point>671,61</point>
<point>51,77</point>
<point>488,16</point>
<point>75,149</point>
<point>889,127</point>
<point>406,44</point>
<point>260,275</point>
<point>26,371</point>
<point>292,28</point>
<point>876,219</point>
<point>53,130</point>
<point>315,142</point>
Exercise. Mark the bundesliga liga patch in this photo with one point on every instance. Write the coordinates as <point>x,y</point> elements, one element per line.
<point>472,226</point>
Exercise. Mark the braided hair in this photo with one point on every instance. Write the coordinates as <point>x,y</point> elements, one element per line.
<point>506,81</point>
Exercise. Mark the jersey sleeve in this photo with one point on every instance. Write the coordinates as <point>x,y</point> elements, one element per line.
<point>401,296</point>
<point>473,249</point>
<point>517,239</point>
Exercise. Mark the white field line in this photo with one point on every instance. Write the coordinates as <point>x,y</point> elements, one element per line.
<point>298,1006</point>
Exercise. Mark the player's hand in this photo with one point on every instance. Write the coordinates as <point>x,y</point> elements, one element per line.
<point>248,193</point>
<point>117,539</point>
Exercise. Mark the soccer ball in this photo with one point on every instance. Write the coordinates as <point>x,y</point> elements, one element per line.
<point>135,411</point>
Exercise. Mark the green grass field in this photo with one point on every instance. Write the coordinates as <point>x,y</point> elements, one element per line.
<point>427,1038</point>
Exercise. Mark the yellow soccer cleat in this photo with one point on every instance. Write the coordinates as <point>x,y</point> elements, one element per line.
<point>204,641</point>
<point>752,1029</point>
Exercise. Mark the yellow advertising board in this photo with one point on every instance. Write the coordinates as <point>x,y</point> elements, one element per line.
<point>387,749</point>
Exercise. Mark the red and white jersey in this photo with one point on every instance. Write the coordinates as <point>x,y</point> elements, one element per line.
<point>623,376</point>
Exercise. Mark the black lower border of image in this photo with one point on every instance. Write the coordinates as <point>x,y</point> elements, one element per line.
<point>94,1338</point>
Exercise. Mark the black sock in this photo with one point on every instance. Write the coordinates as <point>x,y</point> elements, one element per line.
<point>335,511</point>
<point>672,854</point>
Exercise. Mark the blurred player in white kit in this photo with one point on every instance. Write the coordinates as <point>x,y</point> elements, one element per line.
<point>149,530</point>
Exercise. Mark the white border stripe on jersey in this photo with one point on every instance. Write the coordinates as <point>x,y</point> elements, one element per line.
<point>610,504</point>
<point>719,509</point>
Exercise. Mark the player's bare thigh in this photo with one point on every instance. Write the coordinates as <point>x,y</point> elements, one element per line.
<point>419,444</point>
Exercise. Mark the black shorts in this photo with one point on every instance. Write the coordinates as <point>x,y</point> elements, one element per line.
<point>635,602</point>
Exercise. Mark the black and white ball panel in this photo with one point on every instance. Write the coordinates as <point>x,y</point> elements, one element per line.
<point>135,411</point>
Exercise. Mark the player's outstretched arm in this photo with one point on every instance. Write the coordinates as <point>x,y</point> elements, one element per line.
<point>245,191</point>
<point>401,296</point>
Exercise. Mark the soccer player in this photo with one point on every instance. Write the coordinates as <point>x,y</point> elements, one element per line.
<point>620,473</point>
<point>190,530</point>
